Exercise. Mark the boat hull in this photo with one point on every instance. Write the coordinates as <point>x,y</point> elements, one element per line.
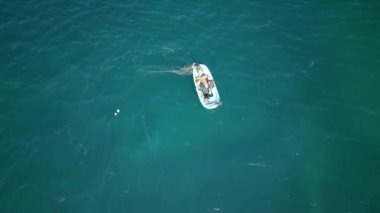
<point>210,100</point>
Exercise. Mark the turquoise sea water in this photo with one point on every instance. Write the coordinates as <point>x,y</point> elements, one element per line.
<point>297,132</point>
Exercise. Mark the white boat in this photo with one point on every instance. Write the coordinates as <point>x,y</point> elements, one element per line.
<point>205,87</point>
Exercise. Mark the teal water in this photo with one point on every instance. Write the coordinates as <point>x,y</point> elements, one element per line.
<point>297,132</point>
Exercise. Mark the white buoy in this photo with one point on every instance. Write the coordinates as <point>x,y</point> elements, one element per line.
<point>115,114</point>
<point>118,110</point>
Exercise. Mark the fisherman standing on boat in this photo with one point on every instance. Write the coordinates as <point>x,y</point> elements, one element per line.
<point>202,84</point>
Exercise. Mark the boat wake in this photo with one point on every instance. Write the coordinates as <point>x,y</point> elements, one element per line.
<point>187,70</point>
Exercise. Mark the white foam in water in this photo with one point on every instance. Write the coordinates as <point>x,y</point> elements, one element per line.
<point>259,165</point>
<point>117,112</point>
<point>311,63</point>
